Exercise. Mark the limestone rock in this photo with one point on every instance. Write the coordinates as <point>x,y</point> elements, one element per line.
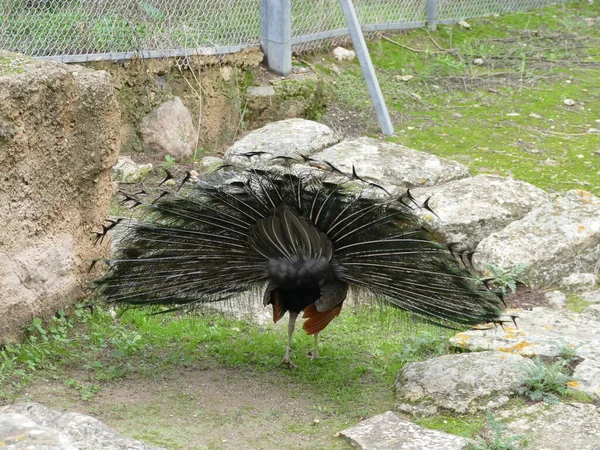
<point>59,137</point>
<point>555,240</point>
<point>169,129</point>
<point>210,163</point>
<point>463,383</point>
<point>31,425</point>
<point>388,432</point>
<point>545,331</point>
<point>343,54</point>
<point>555,426</point>
<point>592,312</point>
<point>470,209</point>
<point>391,164</point>
<point>579,281</point>
<point>591,296</point>
<point>284,138</point>
<point>127,171</point>
<point>556,298</point>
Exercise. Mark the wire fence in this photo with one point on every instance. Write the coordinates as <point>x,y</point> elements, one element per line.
<point>91,30</point>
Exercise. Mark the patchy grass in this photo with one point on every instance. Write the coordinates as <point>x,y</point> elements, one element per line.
<point>85,360</point>
<point>493,96</point>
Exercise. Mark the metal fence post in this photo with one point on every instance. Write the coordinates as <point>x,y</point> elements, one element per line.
<point>432,14</point>
<point>362,52</point>
<point>276,34</point>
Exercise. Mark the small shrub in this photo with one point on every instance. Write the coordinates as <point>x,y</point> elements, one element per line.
<point>545,382</point>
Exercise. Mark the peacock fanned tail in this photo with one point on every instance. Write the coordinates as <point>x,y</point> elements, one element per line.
<point>278,230</point>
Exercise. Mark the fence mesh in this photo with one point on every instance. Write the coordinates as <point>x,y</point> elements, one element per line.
<point>79,30</point>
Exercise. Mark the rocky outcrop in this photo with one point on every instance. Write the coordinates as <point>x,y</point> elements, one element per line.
<point>556,241</point>
<point>546,332</point>
<point>470,209</point>
<point>554,427</point>
<point>388,432</point>
<point>465,383</point>
<point>59,137</point>
<point>33,426</point>
<point>170,130</point>
<point>391,165</point>
<point>288,138</point>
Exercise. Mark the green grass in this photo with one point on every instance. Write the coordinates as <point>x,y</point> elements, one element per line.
<point>362,351</point>
<point>506,116</point>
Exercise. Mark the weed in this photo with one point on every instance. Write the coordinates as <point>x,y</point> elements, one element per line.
<point>169,162</point>
<point>567,352</point>
<point>86,391</point>
<point>493,437</point>
<point>505,280</point>
<point>545,382</point>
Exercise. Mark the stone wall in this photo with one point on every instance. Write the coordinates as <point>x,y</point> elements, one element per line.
<point>59,137</point>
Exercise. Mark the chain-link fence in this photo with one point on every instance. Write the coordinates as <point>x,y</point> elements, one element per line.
<point>84,30</point>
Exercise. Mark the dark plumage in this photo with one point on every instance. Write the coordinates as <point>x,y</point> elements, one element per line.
<point>303,241</point>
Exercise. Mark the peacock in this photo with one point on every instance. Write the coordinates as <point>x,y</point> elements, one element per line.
<point>299,238</point>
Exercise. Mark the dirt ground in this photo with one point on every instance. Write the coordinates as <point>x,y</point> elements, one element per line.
<point>210,408</point>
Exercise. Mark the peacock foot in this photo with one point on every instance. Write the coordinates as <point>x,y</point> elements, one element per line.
<point>287,362</point>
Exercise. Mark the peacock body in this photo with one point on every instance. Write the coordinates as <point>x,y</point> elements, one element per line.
<point>302,240</point>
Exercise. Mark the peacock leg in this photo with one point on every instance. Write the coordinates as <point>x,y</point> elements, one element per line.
<point>315,352</point>
<point>288,349</point>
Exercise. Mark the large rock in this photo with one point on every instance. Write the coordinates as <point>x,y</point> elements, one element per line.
<point>391,164</point>
<point>546,332</point>
<point>290,137</point>
<point>169,129</point>
<point>59,137</point>
<point>33,426</point>
<point>464,383</point>
<point>388,432</point>
<point>556,240</point>
<point>470,209</point>
<point>555,427</point>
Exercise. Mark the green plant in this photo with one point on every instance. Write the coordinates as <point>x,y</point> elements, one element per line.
<point>169,162</point>
<point>545,382</point>
<point>493,437</point>
<point>505,280</point>
<point>86,391</point>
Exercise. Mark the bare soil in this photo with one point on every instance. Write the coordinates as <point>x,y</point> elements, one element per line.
<point>206,407</point>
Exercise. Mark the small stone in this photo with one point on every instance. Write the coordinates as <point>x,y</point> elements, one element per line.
<point>343,54</point>
<point>316,421</point>
<point>513,114</point>
<point>464,24</point>
<point>535,116</point>
<point>404,77</point>
<point>569,102</point>
<point>457,115</point>
<point>593,130</point>
<point>556,299</point>
<point>127,171</point>
<point>478,62</point>
<point>226,72</point>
